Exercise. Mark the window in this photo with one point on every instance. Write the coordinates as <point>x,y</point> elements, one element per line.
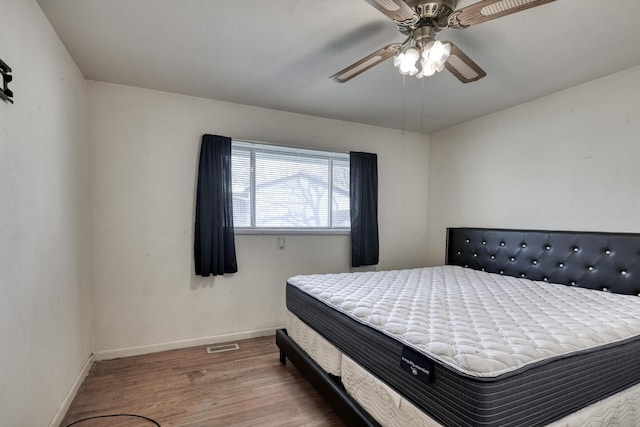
<point>289,188</point>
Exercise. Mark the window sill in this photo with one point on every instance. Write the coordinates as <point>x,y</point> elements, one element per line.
<point>293,231</point>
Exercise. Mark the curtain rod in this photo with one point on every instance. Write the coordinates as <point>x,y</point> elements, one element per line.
<point>275,144</point>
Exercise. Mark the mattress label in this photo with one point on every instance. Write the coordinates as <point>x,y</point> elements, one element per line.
<point>416,364</point>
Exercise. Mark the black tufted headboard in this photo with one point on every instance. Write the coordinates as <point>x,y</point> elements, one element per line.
<point>603,261</point>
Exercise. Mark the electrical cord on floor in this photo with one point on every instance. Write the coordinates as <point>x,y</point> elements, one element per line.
<point>115,415</point>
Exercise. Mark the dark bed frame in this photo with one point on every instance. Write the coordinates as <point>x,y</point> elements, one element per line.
<point>601,261</point>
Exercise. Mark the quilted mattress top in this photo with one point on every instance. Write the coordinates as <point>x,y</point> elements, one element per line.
<point>480,324</point>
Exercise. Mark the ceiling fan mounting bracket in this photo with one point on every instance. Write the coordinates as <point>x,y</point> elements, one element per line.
<point>433,13</point>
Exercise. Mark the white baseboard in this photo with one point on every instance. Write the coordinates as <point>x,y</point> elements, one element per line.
<point>192,342</point>
<point>62,410</point>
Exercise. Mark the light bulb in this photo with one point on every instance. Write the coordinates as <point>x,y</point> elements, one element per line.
<point>438,52</point>
<point>428,68</point>
<point>426,49</point>
<point>412,55</point>
<point>411,70</point>
<point>408,62</point>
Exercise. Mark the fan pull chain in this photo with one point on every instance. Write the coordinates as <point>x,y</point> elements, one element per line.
<point>422,109</point>
<point>404,85</point>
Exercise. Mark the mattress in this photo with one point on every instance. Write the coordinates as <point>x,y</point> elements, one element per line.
<point>497,350</point>
<point>390,409</point>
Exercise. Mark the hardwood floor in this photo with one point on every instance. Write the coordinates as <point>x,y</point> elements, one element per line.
<point>188,387</point>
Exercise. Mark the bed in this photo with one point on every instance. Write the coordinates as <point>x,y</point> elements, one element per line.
<point>520,327</point>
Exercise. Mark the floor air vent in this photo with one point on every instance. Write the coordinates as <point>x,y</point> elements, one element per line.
<point>222,348</point>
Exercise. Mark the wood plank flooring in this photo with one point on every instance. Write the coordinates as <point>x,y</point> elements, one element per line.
<point>190,388</point>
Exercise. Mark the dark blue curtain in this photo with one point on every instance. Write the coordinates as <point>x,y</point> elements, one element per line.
<point>214,244</point>
<point>364,208</point>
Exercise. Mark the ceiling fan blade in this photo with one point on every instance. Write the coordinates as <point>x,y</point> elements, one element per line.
<point>364,64</point>
<point>461,66</point>
<point>487,10</point>
<point>397,10</point>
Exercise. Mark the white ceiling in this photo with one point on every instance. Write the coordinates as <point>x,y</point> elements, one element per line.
<point>279,54</point>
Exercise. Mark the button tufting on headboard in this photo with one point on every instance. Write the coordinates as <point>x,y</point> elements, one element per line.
<point>603,261</point>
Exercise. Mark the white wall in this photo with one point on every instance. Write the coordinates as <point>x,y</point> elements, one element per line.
<point>566,161</point>
<point>144,155</point>
<point>45,296</point>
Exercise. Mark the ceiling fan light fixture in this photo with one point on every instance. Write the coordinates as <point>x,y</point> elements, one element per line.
<point>428,68</point>
<point>406,61</point>
<point>411,55</point>
<point>397,60</point>
<point>411,70</point>
<point>423,60</point>
<point>437,51</point>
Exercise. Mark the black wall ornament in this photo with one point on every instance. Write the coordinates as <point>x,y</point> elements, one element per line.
<point>5,92</point>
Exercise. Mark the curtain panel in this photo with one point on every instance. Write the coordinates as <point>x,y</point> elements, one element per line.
<point>364,208</point>
<point>214,242</point>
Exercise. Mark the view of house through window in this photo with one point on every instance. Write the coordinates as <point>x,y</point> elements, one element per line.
<point>281,188</point>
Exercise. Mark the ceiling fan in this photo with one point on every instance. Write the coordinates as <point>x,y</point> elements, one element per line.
<point>420,20</point>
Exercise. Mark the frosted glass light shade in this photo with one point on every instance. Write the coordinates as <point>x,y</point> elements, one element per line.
<point>438,52</point>
<point>406,62</point>
<point>428,68</point>
<point>432,58</point>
